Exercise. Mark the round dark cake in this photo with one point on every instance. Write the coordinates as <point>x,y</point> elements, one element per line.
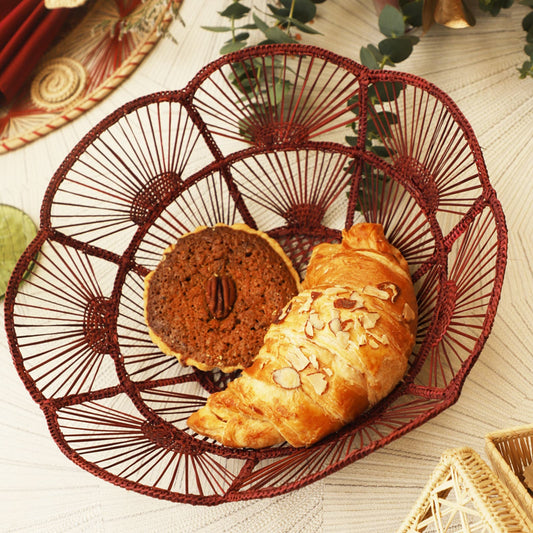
<point>214,294</point>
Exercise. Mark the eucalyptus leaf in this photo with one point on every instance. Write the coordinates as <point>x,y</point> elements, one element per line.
<point>283,20</point>
<point>397,49</point>
<point>350,140</point>
<point>391,22</point>
<point>379,124</point>
<point>527,22</point>
<point>413,38</point>
<point>528,49</point>
<point>278,35</point>
<point>526,69</point>
<point>379,150</point>
<point>232,46</point>
<point>219,29</point>
<point>526,3</point>
<point>354,106</point>
<point>377,54</point>
<point>303,27</point>
<point>280,11</point>
<point>384,91</point>
<point>261,25</point>
<point>368,59</point>
<point>304,10</point>
<point>275,93</point>
<point>494,6</point>
<point>412,12</point>
<point>235,11</point>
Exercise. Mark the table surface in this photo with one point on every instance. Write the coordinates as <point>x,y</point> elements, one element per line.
<point>41,490</point>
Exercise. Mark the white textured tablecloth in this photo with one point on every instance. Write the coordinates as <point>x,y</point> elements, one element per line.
<point>42,491</point>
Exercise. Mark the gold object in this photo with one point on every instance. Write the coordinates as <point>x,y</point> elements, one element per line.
<point>450,13</point>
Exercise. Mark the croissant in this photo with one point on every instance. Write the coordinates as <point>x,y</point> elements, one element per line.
<point>337,348</point>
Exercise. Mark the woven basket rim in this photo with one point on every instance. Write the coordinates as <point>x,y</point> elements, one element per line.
<point>502,466</point>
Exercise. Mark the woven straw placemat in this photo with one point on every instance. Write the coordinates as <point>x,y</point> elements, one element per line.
<point>87,63</point>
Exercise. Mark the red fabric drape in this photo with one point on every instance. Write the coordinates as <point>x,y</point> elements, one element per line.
<point>27,29</point>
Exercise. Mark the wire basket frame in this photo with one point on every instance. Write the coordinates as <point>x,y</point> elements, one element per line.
<point>293,140</point>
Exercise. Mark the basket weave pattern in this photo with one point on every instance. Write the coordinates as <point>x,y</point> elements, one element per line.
<point>510,451</point>
<point>463,494</point>
<point>256,137</point>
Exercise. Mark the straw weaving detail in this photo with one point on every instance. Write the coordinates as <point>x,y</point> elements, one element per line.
<point>511,455</point>
<point>464,495</point>
<point>256,137</point>
<point>89,62</point>
<point>58,83</point>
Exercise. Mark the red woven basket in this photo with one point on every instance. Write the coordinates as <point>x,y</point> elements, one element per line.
<point>295,141</point>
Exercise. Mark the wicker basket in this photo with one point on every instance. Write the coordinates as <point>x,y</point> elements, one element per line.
<point>464,495</point>
<point>259,137</point>
<point>510,451</point>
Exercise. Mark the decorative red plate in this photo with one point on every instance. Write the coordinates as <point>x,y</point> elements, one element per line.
<point>258,136</point>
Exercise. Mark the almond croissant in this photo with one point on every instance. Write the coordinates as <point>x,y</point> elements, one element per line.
<point>338,347</point>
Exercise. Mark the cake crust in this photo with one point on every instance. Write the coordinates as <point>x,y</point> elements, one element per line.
<point>214,294</point>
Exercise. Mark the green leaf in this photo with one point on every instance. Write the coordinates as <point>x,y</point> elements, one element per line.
<point>16,231</point>
<point>234,11</point>
<point>526,3</point>
<point>241,36</point>
<point>278,35</point>
<point>303,27</point>
<point>527,22</point>
<point>380,151</point>
<point>528,49</point>
<point>397,49</point>
<point>261,25</point>
<point>219,29</point>
<point>412,12</point>
<point>352,141</point>
<point>379,124</point>
<point>526,69</point>
<point>283,20</point>
<point>304,10</point>
<point>384,91</point>
<point>391,22</point>
<point>231,46</point>
<point>413,38</point>
<point>275,93</point>
<point>368,57</point>
<point>278,11</point>
<point>353,104</point>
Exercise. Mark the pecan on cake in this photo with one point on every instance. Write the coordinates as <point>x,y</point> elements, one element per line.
<point>214,294</point>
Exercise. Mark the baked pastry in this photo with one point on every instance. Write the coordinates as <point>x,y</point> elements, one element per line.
<point>338,347</point>
<point>212,297</point>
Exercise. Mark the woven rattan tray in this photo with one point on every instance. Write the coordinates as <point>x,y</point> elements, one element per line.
<point>89,61</point>
<point>259,137</point>
<point>463,494</point>
<point>510,451</point>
